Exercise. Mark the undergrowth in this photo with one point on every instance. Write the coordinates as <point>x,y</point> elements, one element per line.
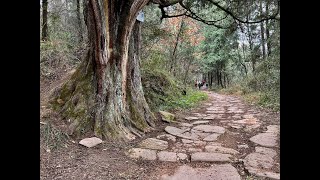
<point>52,137</point>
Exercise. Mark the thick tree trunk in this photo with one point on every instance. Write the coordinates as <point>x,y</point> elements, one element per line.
<point>80,31</point>
<point>44,20</point>
<point>101,95</point>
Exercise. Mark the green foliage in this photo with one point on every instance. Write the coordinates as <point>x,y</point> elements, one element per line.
<point>163,91</point>
<point>192,98</point>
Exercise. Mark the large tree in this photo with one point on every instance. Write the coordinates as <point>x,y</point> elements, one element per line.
<point>105,93</point>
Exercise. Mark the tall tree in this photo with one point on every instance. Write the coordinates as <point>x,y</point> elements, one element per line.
<point>44,20</point>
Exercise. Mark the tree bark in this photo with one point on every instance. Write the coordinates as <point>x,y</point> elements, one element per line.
<point>174,58</point>
<point>262,34</point>
<point>102,96</point>
<point>44,20</point>
<point>267,31</point>
<point>80,31</point>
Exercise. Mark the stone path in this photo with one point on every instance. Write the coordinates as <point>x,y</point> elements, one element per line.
<point>223,132</point>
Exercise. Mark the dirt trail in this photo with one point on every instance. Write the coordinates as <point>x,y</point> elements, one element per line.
<point>223,138</point>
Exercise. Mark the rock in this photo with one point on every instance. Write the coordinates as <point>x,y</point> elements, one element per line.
<point>267,174</point>
<point>174,131</point>
<point>167,137</point>
<point>265,139</point>
<point>192,149</point>
<point>235,126</point>
<point>200,122</point>
<point>214,144</point>
<point>167,117</point>
<point>188,135</point>
<point>186,141</point>
<point>219,149</point>
<point>215,172</point>
<point>273,129</point>
<point>199,143</point>
<point>90,142</point>
<point>266,151</point>
<point>191,118</point>
<point>182,156</point>
<point>185,124</point>
<point>209,128</point>
<point>212,137</point>
<point>210,117</point>
<point>258,160</point>
<point>167,156</point>
<point>145,154</point>
<point>210,157</point>
<point>243,146</point>
<point>152,143</point>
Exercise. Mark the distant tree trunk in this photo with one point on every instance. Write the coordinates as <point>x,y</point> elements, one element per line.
<point>44,20</point>
<point>174,56</point>
<point>211,74</point>
<point>80,31</point>
<point>105,95</point>
<point>267,31</point>
<point>262,34</point>
<point>187,71</point>
<point>253,61</point>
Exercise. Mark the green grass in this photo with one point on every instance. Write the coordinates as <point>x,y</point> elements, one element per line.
<point>185,101</point>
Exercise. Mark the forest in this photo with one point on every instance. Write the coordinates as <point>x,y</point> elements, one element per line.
<point>123,70</point>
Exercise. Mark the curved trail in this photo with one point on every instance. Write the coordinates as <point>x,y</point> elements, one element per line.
<point>221,139</point>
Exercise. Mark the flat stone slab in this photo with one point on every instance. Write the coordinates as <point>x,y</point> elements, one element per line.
<point>219,149</point>
<point>267,174</point>
<point>273,129</point>
<point>167,156</point>
<point>200,122</point>
<point>174,131</point>
<point>210,117</point>
<point>265,139</point>
<point>209,128</point>
<point>186,141</point>
<point>145,154</point>
<point>167,137</point>
<point>152,143</point>
<point>215,172</point>
<point>258,161</point>
<point>90,142</point>
<point>266,151</point>
<point>247,121</point>
<point>212,137</point>
<point>189,135</point>
<point>191,118</point>
<point>210,157</point>
<point>185,124</point>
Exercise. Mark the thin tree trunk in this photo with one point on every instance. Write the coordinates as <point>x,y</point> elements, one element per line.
<point>44,20</point>
<point>174,58</point>
<point>187,71</point>
<point>267,31</point>
<point>80,31</point>
<point>262,34</point>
